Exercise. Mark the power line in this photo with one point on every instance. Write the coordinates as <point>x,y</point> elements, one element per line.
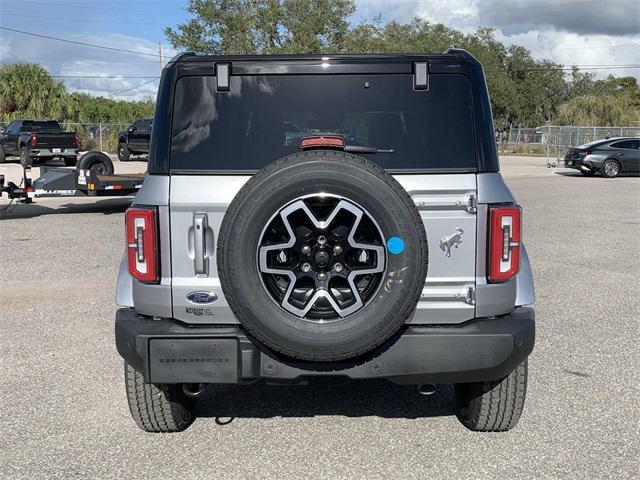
<point>91,7</point>
<point>135,87</point>
<point>551,49</point>
<point>83,20</point>
<point>106,77</point>
<point>481,12</point>
<point>535,7</point>
<point>569,68</point>
<point>79,43</point>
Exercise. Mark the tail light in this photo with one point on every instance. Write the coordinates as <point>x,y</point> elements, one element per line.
<point>584,153</point>
<point>142,243</point>
<point>33,139</point>
<point>504,243</point>
<point>76,140</point>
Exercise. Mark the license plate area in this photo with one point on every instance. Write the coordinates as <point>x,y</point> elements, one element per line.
<point>193,360</point>
<point>56,150</point>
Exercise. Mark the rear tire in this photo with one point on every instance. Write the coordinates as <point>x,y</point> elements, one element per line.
<point>3,158</point>
<point>610,169</point>
<point>124,154</point>
<point>493,406</point>
<point>96,161</point>
<point>70,161</point>
<point>157,408</point>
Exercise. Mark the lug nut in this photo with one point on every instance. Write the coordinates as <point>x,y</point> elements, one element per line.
<point>338,267</point>
<point>322,240</point>
<point>306,249</point>
<point>322,276</point>
<point>337,250</point>
<point>306,267</point>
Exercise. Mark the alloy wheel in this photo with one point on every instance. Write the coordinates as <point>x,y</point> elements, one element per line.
<point>321,257</point>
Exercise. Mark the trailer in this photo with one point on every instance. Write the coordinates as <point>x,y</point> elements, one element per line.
<point>56,182</point>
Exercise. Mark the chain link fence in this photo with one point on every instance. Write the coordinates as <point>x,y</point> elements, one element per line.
<point>550,141</point>
<point>101,136</point>
<point>553,141</point>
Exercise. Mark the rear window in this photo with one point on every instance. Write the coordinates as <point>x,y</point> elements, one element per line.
<point>595,143</point>
<point>262,118</point>
<point>40,126</point>
<point>630,144</point>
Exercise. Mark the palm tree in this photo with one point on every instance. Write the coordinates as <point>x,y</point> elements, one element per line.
<point>28,91</point>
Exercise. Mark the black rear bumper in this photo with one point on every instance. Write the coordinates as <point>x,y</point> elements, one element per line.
<point>166,351</point>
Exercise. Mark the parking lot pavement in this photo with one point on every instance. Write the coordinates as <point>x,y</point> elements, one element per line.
<point>63,403</point>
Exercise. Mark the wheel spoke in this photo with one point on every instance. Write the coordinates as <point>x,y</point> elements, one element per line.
<point>321,262</point>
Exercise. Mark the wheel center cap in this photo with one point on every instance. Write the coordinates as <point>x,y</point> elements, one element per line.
<point>322,258</point>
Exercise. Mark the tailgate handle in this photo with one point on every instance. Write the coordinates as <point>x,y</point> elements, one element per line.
<point>199,243</point>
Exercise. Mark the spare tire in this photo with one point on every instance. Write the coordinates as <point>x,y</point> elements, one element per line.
<point>99,162</point>
<point>322,256</point>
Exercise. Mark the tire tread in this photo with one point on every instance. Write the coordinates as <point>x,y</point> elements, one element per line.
<point>493,406</point>
<point>226,278</point>
<point>156,407</point>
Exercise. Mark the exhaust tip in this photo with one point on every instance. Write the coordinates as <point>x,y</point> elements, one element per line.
<point>427,389</point>
<point>193,390</point>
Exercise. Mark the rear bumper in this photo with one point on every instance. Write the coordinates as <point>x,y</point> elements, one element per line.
<point>577,164</point>
<point>166,351</point>
<point>54,152</point>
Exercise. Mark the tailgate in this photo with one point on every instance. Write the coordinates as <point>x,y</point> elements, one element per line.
<point>448,207</point>
<point>55,140</point>
<point>446,204</point>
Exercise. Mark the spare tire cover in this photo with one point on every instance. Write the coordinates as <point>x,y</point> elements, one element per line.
<point>322,256</point>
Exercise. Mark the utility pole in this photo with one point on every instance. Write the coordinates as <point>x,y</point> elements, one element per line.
<point>160,54</point>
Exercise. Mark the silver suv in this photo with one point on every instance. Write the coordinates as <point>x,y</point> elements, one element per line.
<point>335,216</point>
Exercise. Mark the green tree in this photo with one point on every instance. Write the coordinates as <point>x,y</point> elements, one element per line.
<point>523,90</point>
<point>27,90</point>
<point>264,26</point>
<point>598,110</point>
<point>626,87</point>
<point>580,83</point>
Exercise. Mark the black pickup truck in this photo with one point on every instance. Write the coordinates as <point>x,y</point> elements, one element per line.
<point>135,139</point>
<point>38,140</point>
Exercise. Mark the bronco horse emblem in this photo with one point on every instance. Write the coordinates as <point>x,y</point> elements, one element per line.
<point>452,240</point>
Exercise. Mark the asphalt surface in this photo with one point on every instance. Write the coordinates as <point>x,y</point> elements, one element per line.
<point>63,405</point>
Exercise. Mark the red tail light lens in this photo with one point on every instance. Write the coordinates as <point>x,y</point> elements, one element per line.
<point>142,243</point>
<point>76,140</point>
<point>33,139</point>
<point>504,243</point>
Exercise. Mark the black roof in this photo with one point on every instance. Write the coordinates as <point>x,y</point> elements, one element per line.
<point>451,53</point>
<point>602,141</point>
<point>451,61</point>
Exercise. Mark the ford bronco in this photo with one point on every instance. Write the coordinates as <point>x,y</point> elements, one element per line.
<point>338,216</point>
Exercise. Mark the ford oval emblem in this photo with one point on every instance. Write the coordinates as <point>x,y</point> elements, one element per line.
<point>201,297</point>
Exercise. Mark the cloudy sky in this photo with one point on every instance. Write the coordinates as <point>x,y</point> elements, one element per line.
<point>573,32</point>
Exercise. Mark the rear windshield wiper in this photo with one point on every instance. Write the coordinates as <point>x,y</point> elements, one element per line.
<point>336,142</point>
<point>360,149</point>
